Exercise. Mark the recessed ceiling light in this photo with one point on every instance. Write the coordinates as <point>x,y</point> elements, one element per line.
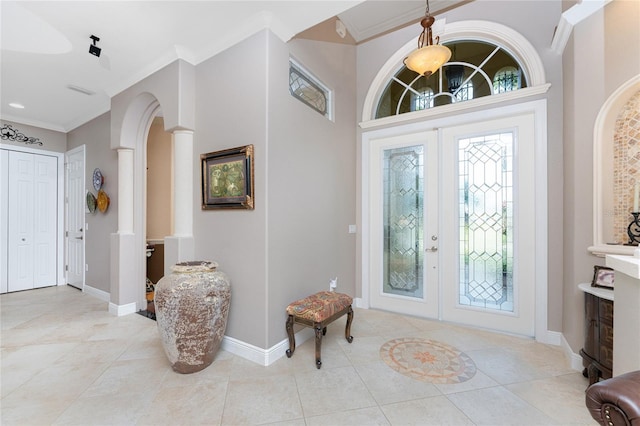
<point>16,105</point>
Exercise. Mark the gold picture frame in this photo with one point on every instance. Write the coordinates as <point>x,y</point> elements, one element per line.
<point>227,179</point>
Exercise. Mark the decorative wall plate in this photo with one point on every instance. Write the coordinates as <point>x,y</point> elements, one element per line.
<point>91,202</point>
<point>103,201</point>
<point>97,179</point>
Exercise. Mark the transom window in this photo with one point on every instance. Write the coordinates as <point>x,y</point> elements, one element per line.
<point>308,89</point>
<point>506,80</point>
<point>471,73</point>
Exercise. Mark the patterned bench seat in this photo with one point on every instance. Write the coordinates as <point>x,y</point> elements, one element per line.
<point>317,311</point>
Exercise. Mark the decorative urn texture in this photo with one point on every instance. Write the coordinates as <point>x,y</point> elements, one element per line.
<point>192,306</point>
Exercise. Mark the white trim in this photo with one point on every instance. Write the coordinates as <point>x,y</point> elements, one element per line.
<point>603,132</point>
<point>121,310</point>
<point>359,302</point>
<point>98,294</point>
<point>498,34</point>
<point>574,359</point>
<point>569,18</point>
<point>261,356</point>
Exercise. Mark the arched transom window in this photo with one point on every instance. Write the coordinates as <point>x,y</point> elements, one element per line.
<point>476,69</point>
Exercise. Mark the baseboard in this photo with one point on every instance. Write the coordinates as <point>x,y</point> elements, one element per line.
<point>263,356</point>
<point>574,359</point>
<point>97,293</point>
<point>550,338</point>
<point>121,310</point>
<point>359,303</point>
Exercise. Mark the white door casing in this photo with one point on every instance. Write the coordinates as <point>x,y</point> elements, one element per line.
<point>75,211</point>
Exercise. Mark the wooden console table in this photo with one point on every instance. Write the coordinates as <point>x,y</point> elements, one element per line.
<point>597,353</point>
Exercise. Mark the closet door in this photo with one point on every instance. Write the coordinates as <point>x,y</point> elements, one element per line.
<point>21,209</point>
<point>32,218</point>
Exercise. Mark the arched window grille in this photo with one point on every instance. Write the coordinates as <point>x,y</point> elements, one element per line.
<point>506,79</point>
<point>465,78</point>
<point>422,100</point>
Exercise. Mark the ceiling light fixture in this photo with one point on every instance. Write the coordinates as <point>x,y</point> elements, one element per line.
<point>428,57</point>
<point>93,49</point>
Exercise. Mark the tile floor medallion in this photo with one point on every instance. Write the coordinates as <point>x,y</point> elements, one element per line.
<point>428,360</point>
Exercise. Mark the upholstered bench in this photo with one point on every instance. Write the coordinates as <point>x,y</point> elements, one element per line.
<point>317,311</point>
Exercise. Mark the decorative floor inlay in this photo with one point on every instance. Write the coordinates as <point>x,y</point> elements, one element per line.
<point>428,360</point>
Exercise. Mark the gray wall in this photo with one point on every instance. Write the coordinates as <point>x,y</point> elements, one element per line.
<point>296,238</point>
<point>595,65</point>
<point>535,20</point>
<point>51,140</point>
<point>231,101</point>
<point>95,135</point>
<point>311,179</point>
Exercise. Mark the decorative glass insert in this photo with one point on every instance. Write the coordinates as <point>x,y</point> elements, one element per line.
<point>403,189</point>
<point>467,77</point>
<point>486,221</point>
<point>422,100</point>
<point>506,80</point>
<point>304,87</point>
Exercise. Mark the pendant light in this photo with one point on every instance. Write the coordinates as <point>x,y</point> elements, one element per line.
<point>428,57</point>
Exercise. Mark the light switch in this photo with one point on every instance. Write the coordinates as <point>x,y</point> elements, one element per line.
<point>352,229</point>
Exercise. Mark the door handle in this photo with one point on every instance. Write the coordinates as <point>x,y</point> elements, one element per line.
<point>432,249</point>
<point>78,238</point>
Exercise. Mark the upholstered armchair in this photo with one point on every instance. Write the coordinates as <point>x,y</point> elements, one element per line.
<point>616,401</point>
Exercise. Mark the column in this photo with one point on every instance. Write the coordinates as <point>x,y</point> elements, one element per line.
<point>179,246</point>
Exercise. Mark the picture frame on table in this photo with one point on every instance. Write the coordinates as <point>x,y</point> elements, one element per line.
<point>603,277</point>
<point>228,179</point>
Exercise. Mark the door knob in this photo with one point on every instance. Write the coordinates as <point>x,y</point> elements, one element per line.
<point>433,248</point>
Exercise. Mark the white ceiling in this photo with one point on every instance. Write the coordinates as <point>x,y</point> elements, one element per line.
<point>44,45</point>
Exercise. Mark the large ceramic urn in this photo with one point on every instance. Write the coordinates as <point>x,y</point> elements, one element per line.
<point>192,306</point>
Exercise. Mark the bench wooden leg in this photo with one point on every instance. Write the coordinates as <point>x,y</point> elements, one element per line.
<point>347,330</point>
<point>318,328</point>
<point>292,337</point>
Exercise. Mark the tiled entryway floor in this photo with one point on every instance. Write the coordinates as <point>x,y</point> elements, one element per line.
<point>65,360</point>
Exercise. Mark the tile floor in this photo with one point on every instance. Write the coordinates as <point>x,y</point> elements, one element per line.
<point>66,361</point>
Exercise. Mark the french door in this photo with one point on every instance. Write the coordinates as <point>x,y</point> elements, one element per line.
<point>451,223</point>
<point>404,217</point>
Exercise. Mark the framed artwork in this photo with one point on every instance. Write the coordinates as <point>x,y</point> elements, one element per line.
<point>602,277</point>
<point>227,179</point>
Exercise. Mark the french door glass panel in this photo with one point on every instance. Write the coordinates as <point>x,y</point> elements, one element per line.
<point>485,172</point>
<point>403,191</point>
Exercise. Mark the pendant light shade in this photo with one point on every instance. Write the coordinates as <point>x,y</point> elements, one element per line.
<point>428,57</point>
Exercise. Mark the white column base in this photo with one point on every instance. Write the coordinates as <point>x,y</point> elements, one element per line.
<point>124,289</point>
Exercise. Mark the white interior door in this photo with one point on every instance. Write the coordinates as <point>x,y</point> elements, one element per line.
<point>21,214</point>
<point>404,223</point>
<point>4,218</point>
<point>45,219</point>
<point>491,233</point>
<point>31,221</point>
<point>75,224</point>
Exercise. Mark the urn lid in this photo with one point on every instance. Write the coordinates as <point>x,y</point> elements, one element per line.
<point>195,266</point>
